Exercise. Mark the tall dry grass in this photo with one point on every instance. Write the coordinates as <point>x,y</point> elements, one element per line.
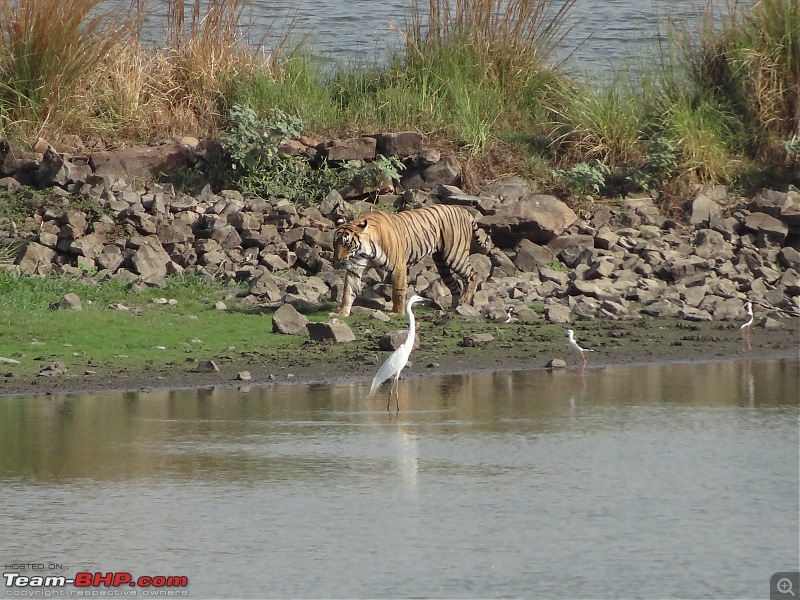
<point>47,50</point>
<point>68,68</point>
<point>749,59</point>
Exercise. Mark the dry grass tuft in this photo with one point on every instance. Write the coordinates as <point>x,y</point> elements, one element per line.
<point>47,49</point>
<point>68,68</point>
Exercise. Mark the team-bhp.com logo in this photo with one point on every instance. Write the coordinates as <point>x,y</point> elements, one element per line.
<point>113,583</point>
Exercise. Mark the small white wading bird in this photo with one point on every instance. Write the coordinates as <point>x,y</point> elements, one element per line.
<point>574,345</point>
<point>746,327</point>
<point>398,359</point>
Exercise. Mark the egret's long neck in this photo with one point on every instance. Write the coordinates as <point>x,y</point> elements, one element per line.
<point>411,323</point>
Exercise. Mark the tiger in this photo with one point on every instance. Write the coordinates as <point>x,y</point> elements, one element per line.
<point>395,241</point>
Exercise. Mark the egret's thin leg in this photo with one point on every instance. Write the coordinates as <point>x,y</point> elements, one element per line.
<point>391,390</point>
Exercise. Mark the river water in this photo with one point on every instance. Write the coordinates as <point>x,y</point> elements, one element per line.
<point>652,481</point>
<point>602,35</point>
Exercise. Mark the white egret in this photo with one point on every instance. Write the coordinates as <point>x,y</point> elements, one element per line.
<point>574,345</point>
<point>748,307</point>
<point>398,359</point>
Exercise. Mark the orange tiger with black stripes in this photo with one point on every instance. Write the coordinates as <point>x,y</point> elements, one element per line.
<point>395,241</point>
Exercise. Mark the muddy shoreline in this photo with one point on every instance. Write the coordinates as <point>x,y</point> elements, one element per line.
<point>515,347</point>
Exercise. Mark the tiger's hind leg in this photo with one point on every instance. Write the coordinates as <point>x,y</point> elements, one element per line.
<point>464,291</point>
<point>451,282</point>
<point>471,287</point>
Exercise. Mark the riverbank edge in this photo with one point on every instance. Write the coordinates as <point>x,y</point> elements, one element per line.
<point>664,343</point>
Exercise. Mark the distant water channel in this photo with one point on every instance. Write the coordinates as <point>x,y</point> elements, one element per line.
<point>601,35</point>
<point>654,481</point>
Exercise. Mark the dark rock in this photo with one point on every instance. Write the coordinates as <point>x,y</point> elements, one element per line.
<point>557,313</point>
<point>789,258</point>
<point>402,145</point>
<point>771,228</point>
<point>531,256</point>
<point>703,210</point>
<point>660,309</point>
<point>150,259</point>
<point>361,148</point>
<point>35,259</point>
<point>54,369</point>
<point>334,330</point>
<point>206,366</point>
<point>445,172</point>
<point>394,339</point>
<point>143,163</point>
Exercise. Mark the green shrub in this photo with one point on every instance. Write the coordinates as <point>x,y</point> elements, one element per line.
<point>659,165</point>
<point>254,163</point>
<point>584,180</point>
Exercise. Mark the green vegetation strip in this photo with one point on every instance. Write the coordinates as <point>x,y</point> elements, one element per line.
<point>718,101</point>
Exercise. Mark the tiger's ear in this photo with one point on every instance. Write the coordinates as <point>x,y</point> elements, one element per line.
<point>362,224</point>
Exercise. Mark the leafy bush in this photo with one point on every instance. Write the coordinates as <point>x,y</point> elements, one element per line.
<point>373,176</point>
<point>255,164</point>
<point>584,180</point>
<point>792,146</point>
<point>660,164</point>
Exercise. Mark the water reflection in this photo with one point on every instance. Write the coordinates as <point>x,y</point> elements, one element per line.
<point>272,431</point>
<point>651,481</point>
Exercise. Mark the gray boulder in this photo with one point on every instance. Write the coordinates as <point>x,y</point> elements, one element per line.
<point>703,209</point>
<point>361,148</point>
<point>790,258</point>
<point>557,313</point>
<point>538,218</point>
<point>768,227</point>
<point>476,340</point>
<point>70,302</point>
<point>531,256</point>
<point>35,259</point>
<point>288,321</point>
<point>150,259</point>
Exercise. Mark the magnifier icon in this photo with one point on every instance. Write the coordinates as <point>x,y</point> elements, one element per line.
<point>784,586</point>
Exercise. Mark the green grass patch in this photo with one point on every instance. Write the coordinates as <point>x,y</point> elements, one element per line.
<point>102,337</point>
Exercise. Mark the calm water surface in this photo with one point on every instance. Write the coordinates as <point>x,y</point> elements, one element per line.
<point>603,35</point>
<point>660,481</point>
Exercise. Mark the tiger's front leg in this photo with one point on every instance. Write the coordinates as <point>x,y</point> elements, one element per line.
<point>352,285</point>
<point>399,286</point>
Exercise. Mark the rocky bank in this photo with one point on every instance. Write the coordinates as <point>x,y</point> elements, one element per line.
<point>620,260</point>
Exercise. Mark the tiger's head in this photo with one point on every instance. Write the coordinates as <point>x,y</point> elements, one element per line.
<point>347,239</point>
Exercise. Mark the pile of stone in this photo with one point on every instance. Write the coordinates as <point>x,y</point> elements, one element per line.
<point>621,260</point>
